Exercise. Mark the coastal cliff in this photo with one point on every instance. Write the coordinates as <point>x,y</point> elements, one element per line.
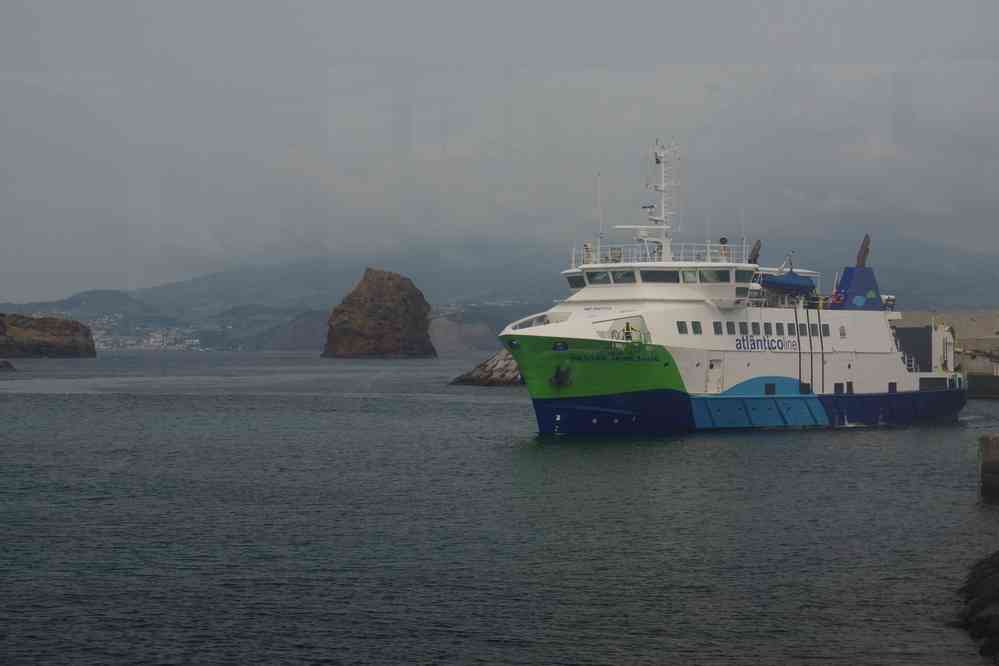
<point>384,315</point>
<point>32,337</point>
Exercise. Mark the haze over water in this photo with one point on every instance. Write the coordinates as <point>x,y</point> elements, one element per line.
<point>274,507</point>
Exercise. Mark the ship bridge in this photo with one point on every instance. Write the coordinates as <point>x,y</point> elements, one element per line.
<point>717,272</point>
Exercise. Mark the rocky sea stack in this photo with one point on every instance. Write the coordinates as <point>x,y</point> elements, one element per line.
<point>384,316</point>
<point>40,337</point>
<point>500,369</point>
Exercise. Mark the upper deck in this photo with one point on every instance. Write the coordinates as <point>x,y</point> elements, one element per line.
<point>652,252</point>
<point>726,275</point>
<point>713,272</point>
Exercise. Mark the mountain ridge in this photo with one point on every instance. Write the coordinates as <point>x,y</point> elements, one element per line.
<point>250,306</point>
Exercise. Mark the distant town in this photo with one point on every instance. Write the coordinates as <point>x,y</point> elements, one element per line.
<point>107,337</point>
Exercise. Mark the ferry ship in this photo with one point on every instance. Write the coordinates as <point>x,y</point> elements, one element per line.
<point>660,337</point>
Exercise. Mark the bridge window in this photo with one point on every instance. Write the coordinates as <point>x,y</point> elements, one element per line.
<point>681,327</point>
<point>768,328</point>
<point>742,292</point>
<point>756,328</point>
<point>576,281</point>
<point>814,328</point>
<point>790,328</point>
<point>825,330</point>
<point>743,328</point>
<point>696,327</point>
<point>744,276</point>
<point>623,277</point>
<point>730,327</point>
<point>780,329</point>
<point>671,277</point>
<point>802,330</point>
<point>715,276</point>
<point>718,327</point>
<point>598,277</point>
<point>690,277</point>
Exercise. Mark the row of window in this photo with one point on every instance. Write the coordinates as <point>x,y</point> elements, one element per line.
<point>769,329</point>
<point>838,388</point>
<point>703,276</point>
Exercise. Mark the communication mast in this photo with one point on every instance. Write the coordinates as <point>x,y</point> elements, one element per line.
<point>657,234</point>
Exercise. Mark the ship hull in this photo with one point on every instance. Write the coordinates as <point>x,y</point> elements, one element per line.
<point>586,386</point>
<point>670,412</point>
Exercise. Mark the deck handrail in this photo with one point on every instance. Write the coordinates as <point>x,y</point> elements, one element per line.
<point>591,254</point>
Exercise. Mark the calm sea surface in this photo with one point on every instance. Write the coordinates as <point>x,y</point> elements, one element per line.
<point>281,507</point>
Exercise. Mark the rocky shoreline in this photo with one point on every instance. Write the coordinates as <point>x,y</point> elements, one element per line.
<point>500,369</point>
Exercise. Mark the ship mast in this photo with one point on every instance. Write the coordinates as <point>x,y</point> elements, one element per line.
<point>657,234</point>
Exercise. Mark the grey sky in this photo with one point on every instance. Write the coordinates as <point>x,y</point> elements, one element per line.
<point>143,142</point>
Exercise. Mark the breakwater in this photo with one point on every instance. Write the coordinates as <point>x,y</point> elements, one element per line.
<point>983,386</point>
<point>500,369</point>
<point>980,592</point>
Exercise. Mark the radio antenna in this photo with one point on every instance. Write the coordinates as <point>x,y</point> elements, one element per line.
<point>599,210</point>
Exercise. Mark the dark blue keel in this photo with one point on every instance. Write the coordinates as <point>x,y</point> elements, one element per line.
<point>667,412</point>
<point>894,408</point>
<point>662,411</point>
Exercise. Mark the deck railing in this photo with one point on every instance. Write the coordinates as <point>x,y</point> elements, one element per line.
<point>651,253</point>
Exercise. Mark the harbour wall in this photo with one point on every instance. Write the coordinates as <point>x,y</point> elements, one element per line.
<point>977,339</point>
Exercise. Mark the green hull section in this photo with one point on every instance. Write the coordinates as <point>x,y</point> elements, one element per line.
<point>575,368</point>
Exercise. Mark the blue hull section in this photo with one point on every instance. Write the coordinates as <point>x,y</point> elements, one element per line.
<point>894,408</point>
<point>714,413</point>
<point>672,412</point>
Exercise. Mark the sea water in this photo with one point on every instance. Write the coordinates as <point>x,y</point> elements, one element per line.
<point>282,507</point>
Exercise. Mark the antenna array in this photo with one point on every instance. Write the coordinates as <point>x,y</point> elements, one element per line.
<point>667,160</point>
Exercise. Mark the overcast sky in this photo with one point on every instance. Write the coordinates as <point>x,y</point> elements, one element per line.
<point>143,142</point>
